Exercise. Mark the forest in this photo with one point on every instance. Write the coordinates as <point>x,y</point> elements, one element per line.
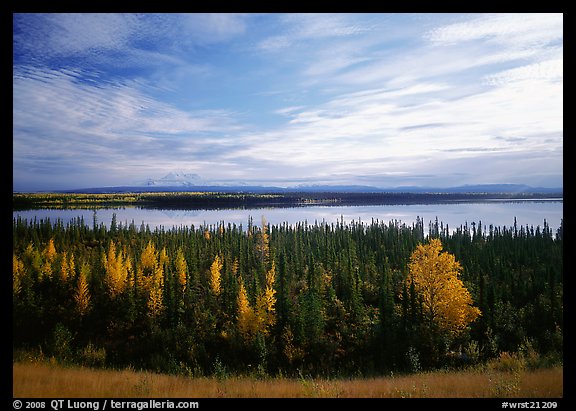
<point>333,300</point>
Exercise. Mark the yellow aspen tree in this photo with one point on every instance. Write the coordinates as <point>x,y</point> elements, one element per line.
<point>163,257</point>
<point>154,303</point>
<point>269,292</point>
<point>181,269</point>
<point>33,255</point>
<point>215,275</point>
<point>17,274</point>
<point>264,242</point>
<point>49,256</point>
<point>115,271</point>
<point>149,258</point>
<point>82,293</point>
<point>155,296</point>
<point>46,269</point>
<point>158,278</point>
<point>246,315</point>
<point>446,301</point>
<point>265,311</point>
<point>67,266</point>
<point>130,274</point>
<point>147,267</point>
<point>71,267</point>
<point>64,270</point>
<point>50,250</point>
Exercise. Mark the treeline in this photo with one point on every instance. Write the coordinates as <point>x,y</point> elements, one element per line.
<point>166,200</point>
<point>321,299</point>
<point>218,200</point>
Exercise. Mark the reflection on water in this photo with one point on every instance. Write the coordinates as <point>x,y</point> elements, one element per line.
<point>499,213</point>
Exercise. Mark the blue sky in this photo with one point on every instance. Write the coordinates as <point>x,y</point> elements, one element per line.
<point>286,99</point>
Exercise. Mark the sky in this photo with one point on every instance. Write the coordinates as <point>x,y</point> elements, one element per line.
<point>385,100</point>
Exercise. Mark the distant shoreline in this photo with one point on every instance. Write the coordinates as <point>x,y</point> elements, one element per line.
<point>216,200</point>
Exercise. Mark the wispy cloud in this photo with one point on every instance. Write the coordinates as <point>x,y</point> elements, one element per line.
<point>103,126</point>
<point>103,40</point>
<point>46,36</point>
<point>109,109</point>
<point>390,99</point>
<point>512,30</point>
<point>461,83</point>
<point>297,29</point>
<point>549,70</point>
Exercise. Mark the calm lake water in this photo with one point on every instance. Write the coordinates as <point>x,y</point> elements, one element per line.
<point>496,213</point>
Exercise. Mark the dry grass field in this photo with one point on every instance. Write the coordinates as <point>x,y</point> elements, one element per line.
<point>36,380</point>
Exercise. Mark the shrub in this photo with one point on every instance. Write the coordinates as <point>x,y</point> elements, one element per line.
<point>93,356</point>
<point>62,343</point>
<point>509,362</point>
<point>529,354</point>
<point>413,359</point>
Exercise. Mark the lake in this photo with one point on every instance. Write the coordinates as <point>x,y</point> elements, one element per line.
<point>496,212</point>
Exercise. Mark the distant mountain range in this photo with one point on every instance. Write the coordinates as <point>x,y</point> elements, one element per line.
<point>179,181</point>
<point>186,181</point>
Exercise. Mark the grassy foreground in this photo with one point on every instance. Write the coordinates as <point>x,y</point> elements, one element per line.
<point>37,380</point>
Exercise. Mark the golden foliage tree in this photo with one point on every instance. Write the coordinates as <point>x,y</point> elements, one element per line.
<point>246,315</point>
<point>151,278</point>
<point>215,275</point>
<point>50,250</point>
<point>446,301</point>
<point>265,303</point>
<point>181,269</point>
<point>130,274</point>
<point>115,269</point>
<point>33,255</point>
<point>149,259</point>
<point>49,255</point>
<point>155,302</point>
<point>82,293</point>
<point>67,266</point>
<point>152,287</point>
<point>17,274</point>
<point>257,319</point>
<point>263,245</point>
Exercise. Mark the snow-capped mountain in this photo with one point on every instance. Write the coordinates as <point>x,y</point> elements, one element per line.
<point>177,179</point>
<point>185,179</point>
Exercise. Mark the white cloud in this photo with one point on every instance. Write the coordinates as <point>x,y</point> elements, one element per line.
<point>104,127</point>
<point>275,43</point>
<point>123,39</point>
<point>315,25</point>
<point>65,100</point>
<point>379,130</point>
<point>207,28</point>
<point>298,29</point>
<point>289,111</point>
<point>513,29</point>
<point>71,33</point>
<point>346,94</point>
<point>549,70</point>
